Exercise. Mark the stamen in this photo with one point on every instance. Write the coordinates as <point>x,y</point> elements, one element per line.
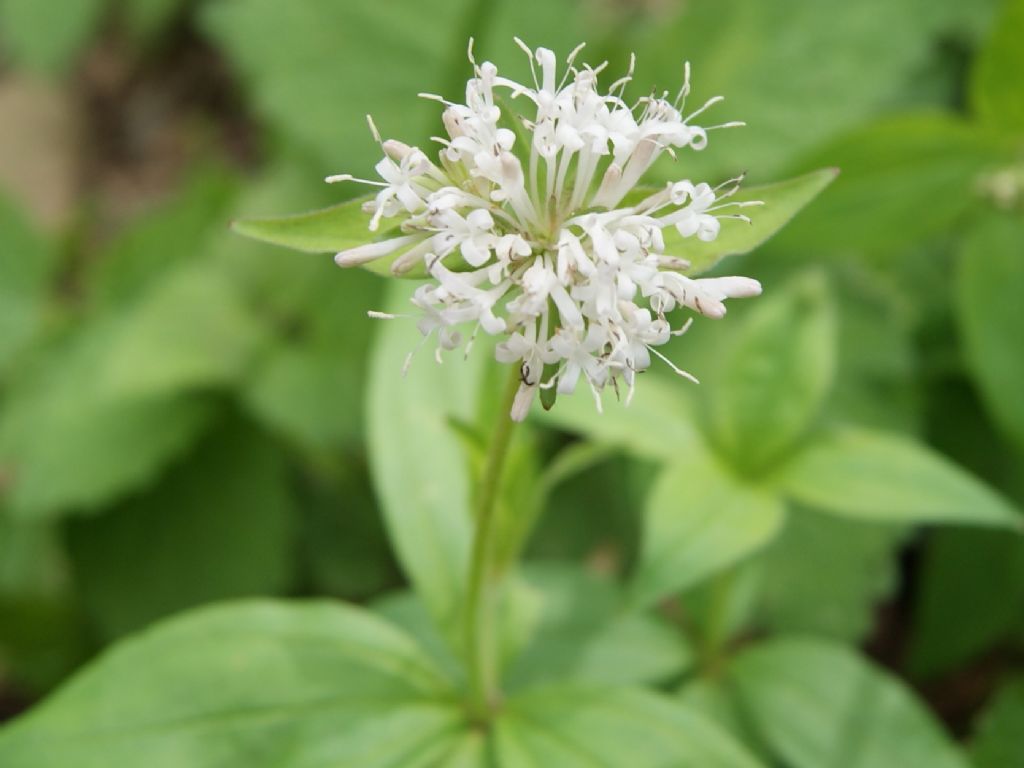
<point>373,129</point>
<point>337,178</point>
<point>684,90</point>
<point>675,368</point>
<point>707,105</point>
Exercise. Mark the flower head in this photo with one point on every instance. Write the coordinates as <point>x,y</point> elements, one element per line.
<point>531,228</point>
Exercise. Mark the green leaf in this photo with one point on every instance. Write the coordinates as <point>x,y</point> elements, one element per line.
<point>870,475</point>
<point>191,330</point>
<point>579,632</point>
<point>766,59</point>
<point>319,356</point>
<point>995,80</point>
<point>587,728</point>
<point>997,742</point>
<point>158,242</point>
<point>877,353</point>
<point>327,230</point>
<point>288,56</point>
<point>418,465</point>
<point>773,374</point>
<point>825,575</point>
<point>990,280</point>
<point>970,594</point>
<point>782,201</point>
<point>218,526</point>
<point>107,445</point>
<point>47,37</point>
<point>700,519</point>
<point>255,684</point>
<point>26,260</point>
<point>817,704</point>
<point>657,424</point>
<point>905,179</point>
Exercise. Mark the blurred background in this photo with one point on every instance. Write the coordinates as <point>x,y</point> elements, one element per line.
<point>181,411</point>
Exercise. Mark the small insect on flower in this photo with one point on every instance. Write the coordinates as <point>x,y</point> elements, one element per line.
<point>524,227</point>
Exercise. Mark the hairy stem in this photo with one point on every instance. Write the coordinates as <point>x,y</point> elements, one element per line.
<point>480,634</point>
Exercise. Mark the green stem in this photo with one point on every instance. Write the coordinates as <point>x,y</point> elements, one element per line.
<point>479,616</point>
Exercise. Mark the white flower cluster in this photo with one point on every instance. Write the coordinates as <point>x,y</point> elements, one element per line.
<point>528,229</point>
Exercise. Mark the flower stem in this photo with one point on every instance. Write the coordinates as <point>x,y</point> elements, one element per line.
<point>480,634</point>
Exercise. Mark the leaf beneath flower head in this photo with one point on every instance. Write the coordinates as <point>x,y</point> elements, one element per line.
<point>343,226</point>
<point>327,230</point>
<point>782,201</point>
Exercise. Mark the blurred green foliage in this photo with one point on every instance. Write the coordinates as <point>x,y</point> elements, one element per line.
<point>187,417</point>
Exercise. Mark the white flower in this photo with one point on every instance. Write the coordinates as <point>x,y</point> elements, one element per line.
<point>522,228</point>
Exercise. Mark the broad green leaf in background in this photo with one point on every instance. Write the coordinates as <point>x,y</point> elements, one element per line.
<point>47,37</point>
<point>657,424</point>
<point>191,330</point>
<point>158,241</point>
<point>26,260</point>
<point>905,179</point>
<point>869,475</point>
<point>699,519</point>
<point>989,283</point>
<point>969,22</point>
<point>218,526</point>
<point>997,741</point>
<point>308,384</point>
<point>772,377</point>
<point>107,445</point>
<point>314,69</point>
<point>970,594</point>
<point>709,696</point>
<point>586,727</point>
<point>254,683</point>
<point>825,575</point>
<point>817,704</point>
<point>580,632</point>
<point>995,82</point>
<point>877,354</point>
<point>406,610</point>
<point>767,60</point>
<point>419,467</point>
